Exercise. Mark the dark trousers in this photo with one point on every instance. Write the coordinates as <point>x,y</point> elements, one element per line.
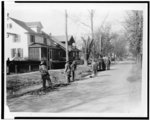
<point>73,75</point>
<point>44,78</point>
<point>68,77</point>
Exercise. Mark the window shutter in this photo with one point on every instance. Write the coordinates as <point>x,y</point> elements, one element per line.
<point>15,52</point>
<point>18,52</point>
<point>21,52</point>
<point>12,53</point>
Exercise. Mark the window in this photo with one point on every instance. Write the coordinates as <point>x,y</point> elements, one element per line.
<point>16,38</point>
<point>20,52</point>
<point>16,52</point>
<point>74,54</point>
<point>13,52</point>
<point>9,25</point>
<point>32,38</point>
<point>60,54</point>
<point>45,41</point>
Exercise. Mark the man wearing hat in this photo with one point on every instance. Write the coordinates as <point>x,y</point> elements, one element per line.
<point>68,71</point>
<point>45,74</point>
<point>73,68</point>
<point>94,67</point>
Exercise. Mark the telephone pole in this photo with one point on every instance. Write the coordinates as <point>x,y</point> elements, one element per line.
<point>92,33</point>
<point>66,32</point>
<point>92,15</point>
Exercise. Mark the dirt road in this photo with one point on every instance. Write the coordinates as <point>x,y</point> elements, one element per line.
<point>115,90</point>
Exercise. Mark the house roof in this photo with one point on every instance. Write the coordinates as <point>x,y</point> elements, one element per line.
<point>34,24</point>
<point>58,42</point>
<point>62,38</point>
<point>42,34</point>
<point>22,24</point>
<point>53,38</point>
<point>58,39</point>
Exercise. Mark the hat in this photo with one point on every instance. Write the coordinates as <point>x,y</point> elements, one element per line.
<point>42,62</point>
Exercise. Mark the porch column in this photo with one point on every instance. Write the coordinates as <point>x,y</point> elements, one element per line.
<point>16,69</point>
<point>39,53</point>
<point>51,58</point>
<point>29,68</point>
<point>47,59</point>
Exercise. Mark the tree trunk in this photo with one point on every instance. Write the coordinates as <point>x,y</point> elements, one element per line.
<point>85,62</point>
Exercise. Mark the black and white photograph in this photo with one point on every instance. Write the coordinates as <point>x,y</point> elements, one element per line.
<point>76,59</point>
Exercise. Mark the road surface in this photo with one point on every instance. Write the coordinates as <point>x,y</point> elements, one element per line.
<point>110,91</point>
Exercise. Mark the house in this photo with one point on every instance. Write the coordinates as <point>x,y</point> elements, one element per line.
<point>73,50</point>
<point>26,41</point>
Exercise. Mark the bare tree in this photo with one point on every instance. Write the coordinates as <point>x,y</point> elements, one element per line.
<point>86,49</point>
<point>103,37</point>
<point>120,46</point>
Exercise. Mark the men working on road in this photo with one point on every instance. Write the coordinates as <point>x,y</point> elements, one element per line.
<point>73,68</point>
<point>45,74</point>
<point>67,71</point>
<point>100,62</point>
<point>94,67</point>
<point>107,62</point>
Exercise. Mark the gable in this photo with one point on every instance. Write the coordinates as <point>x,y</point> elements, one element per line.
<point>22,24</point>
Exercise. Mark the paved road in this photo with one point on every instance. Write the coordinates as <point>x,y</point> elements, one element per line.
<point>111,91</point>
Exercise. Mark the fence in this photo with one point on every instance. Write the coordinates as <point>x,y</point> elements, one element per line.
<point>28,66</point>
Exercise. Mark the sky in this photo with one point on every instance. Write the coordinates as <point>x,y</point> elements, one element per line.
<point>52,16</point>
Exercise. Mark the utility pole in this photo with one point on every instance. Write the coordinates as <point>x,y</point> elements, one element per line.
<point>100,44</point>
<point>66,31</point>
<point>92,15</point>
<point>92,33</point>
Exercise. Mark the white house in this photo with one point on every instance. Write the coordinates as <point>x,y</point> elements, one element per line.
<point>22,36</point>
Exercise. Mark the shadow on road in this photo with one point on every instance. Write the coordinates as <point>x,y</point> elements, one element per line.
<point>39,91</point>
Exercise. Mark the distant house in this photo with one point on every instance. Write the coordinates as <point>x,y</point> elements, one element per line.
<point>73,50</point>
<point>27,41</point>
